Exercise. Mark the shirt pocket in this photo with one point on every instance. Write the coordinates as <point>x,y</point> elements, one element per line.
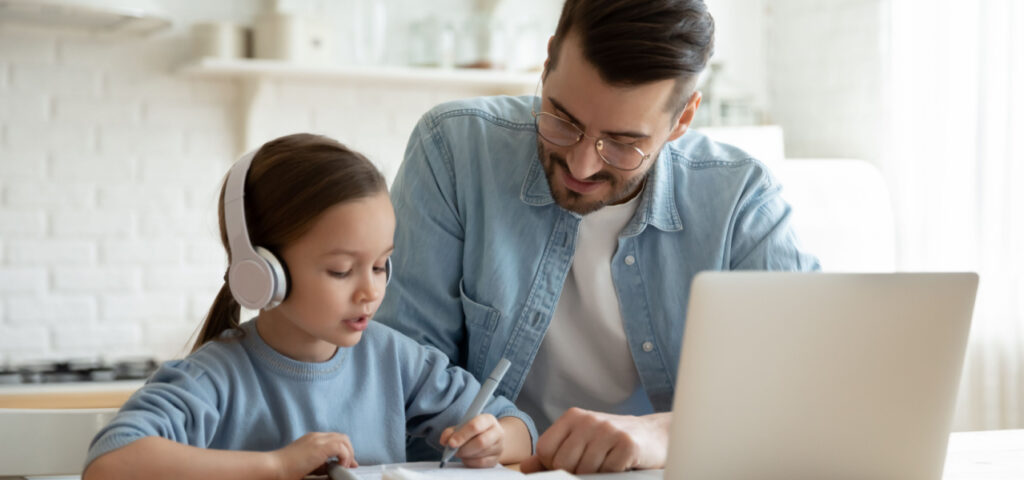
<point>481,322</point>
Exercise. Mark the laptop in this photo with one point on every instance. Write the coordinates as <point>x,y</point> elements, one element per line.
<point>819,375</point>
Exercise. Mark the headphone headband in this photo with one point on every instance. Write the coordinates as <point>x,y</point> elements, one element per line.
<point>234,210</point>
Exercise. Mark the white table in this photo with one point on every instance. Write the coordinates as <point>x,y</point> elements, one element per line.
<point>988,455</point>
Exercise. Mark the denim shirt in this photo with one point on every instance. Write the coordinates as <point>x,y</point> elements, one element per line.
<point>482,249</point>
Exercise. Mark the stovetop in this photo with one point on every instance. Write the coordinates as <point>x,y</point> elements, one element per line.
<point>71,371</point>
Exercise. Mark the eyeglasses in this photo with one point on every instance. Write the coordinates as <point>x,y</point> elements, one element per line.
<point>564,133</point>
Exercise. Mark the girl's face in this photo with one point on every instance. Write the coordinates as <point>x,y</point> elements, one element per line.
<point>337,280</point>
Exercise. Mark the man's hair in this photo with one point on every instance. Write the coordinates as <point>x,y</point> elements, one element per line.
<point>633,42</point>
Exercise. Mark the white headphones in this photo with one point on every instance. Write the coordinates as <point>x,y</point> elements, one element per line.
<point>257,279</point>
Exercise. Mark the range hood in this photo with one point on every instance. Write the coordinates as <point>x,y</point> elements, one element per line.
<point>102,17</point>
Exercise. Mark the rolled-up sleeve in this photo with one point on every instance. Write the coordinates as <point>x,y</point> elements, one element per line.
<point>763,235</point>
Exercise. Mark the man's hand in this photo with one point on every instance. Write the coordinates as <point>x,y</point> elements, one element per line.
<point>583,441</point>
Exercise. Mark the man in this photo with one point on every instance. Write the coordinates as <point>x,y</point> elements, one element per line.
<point>563,232</point>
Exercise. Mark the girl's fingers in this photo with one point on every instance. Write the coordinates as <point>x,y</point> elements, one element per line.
<point>446,435</point>
<point>485,444</point>
<point>340,446</point>
<point>347,459</point>
<point>472,428</point>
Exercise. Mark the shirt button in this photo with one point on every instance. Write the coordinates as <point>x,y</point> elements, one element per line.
<point>647,346</point>
<point>630,260</point>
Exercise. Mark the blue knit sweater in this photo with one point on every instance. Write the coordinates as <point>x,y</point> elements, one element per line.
<point>238,393</point>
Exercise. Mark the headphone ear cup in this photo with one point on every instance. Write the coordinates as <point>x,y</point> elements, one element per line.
<point>387,272</point>
<point>251,282</point>
<point>279,276</point>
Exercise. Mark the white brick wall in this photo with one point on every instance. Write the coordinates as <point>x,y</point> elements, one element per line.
<point>91,168</point>
<point>111,165</point>
<point>50,252</point>
<point>19,280</point>
<point>141,252</point>
<point>96,279</point>
<point>30,135</point>
<point>14,223</point>
<point>91,223</point>
<point>98,338</point>
<point>134,307</point>
<point>54,79</point>
<point>23,165</point>
<point>24,108</point>
<point>152,196</point>
<point>20,342</point>
<point>28,50</point>
<point>87,111</point>
<point>52,310</point>
<point>71,196</point>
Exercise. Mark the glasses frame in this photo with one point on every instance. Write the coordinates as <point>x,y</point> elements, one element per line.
<point>580,135</point>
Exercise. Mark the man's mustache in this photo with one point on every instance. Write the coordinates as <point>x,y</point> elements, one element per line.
<point>597,177</point>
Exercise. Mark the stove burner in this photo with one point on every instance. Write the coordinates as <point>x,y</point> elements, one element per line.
<point>78,371</point>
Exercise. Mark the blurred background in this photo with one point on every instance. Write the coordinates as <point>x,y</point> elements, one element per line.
<point>894,126</point>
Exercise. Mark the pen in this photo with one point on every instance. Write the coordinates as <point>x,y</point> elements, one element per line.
<point>478,403</point>
<point>338,472</point>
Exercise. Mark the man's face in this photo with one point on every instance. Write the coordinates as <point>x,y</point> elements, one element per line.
<point>579,178</point>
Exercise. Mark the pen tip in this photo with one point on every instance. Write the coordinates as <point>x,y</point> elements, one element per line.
<point>442,464</point>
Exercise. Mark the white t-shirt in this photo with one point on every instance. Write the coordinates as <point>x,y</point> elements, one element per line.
<point>584,360</point>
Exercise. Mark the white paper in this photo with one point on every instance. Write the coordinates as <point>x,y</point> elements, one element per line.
<point>431,471</point>
<point>553,475</point>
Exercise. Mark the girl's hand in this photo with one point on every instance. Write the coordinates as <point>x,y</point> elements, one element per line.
<point>479,441</point>
<point>310,452</point>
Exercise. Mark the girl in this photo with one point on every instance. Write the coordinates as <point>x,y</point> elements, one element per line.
<point>310,379</point>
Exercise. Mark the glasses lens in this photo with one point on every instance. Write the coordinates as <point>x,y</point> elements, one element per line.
<point>556,130</point>
<point>620,155</point>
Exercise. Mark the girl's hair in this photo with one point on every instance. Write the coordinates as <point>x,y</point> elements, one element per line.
<point>291,181</point>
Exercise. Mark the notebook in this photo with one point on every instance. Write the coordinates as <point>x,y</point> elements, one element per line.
<point>819,375</point>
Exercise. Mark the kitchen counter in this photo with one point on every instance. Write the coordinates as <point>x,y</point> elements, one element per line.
<point>68,395</point>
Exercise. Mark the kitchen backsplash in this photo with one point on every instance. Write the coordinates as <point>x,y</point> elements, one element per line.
<point>110,167</point>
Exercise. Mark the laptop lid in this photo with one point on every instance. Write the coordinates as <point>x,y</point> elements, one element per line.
<point>819,375</point>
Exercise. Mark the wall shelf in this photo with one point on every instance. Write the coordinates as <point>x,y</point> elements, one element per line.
<point>257,79</point>
<point>258,69</point>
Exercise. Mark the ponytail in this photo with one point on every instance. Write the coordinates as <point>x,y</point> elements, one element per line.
<point>223,315</point>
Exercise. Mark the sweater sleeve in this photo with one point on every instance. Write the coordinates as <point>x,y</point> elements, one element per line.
<point>437,394</point>
<point>179,402</point>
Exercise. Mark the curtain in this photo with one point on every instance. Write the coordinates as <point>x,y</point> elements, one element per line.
<point>954,160</point>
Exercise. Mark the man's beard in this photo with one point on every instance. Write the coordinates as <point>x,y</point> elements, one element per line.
<point>573,201</point>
